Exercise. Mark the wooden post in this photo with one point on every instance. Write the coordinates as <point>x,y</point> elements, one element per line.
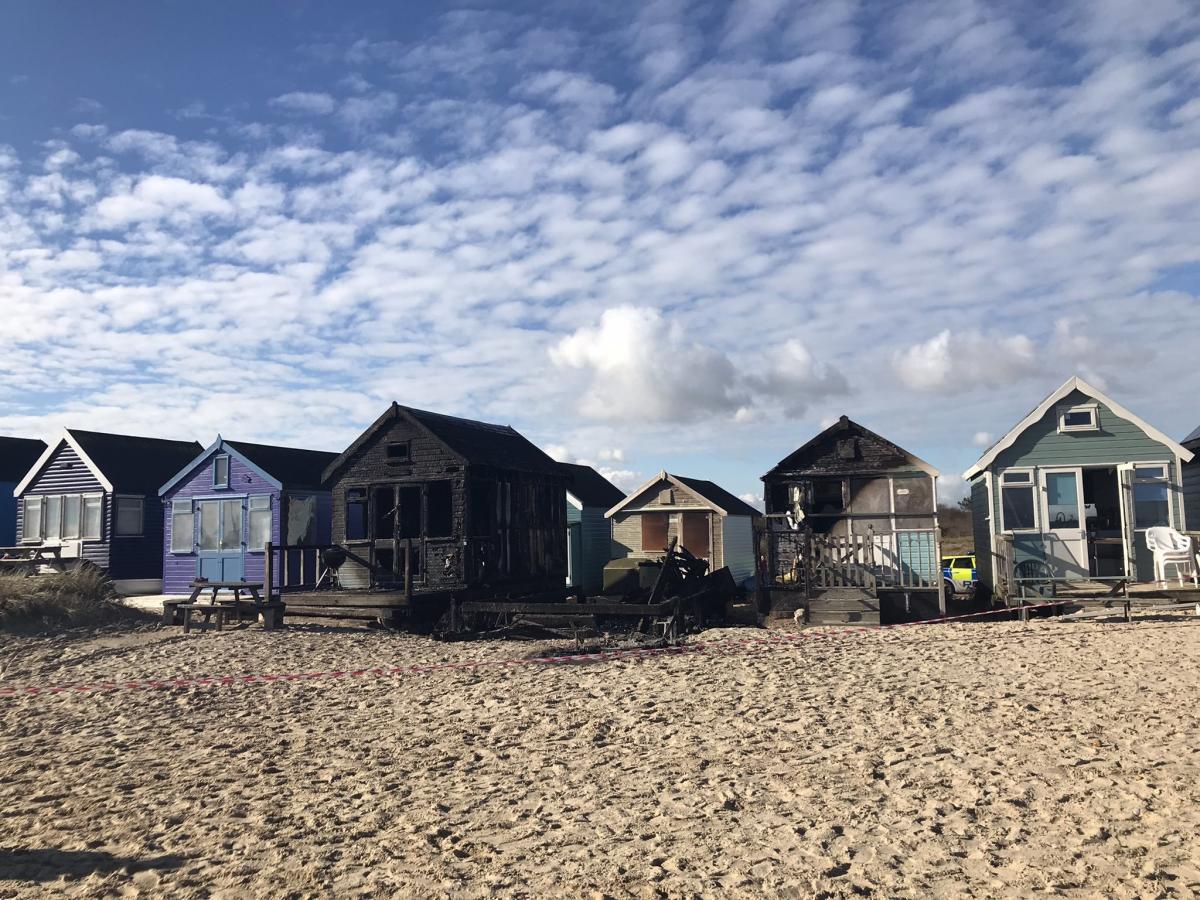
<point>408,570</point>
<point>268,569</point>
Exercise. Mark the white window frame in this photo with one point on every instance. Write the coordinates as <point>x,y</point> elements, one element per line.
<point>217,460</point>
<point>1032,485</point>
<point>269,509</point>
<point>175,512</point>
<point>41,504</point>
<point>141,502</point>
<point>83,504</point>
<point>1165,478</point>
<point>1092,408</point>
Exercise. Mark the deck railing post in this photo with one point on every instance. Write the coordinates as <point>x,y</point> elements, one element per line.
<point>408,569</point>
<point>268,567</point>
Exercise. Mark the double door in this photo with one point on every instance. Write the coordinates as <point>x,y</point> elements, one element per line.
<point>221,539</point>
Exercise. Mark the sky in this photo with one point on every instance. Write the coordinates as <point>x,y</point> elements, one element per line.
<point>648,235</point>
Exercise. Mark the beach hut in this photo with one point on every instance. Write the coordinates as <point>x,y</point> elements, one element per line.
<point>230,501</point>
<point>1069,492</point>
<point>17,456</point>
<point>1191,483</point>
<point>471,504</point>
<point>94,496</point>
<point>707,520</point>
<point>589,534</point>
<point>851,532</point>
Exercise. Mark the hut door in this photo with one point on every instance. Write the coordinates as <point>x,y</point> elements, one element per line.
<point>383,535</point>
<point>1066,539</point>
<point>221,546</point>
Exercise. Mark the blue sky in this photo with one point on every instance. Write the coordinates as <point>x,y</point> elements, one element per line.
<point>655,234</point>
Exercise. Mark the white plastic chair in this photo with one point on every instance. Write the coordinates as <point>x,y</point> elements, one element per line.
<point>1170,548</point>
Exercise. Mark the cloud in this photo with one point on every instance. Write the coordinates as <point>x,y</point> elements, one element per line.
<point>965,360</point>
<point>569,89</point>
<point>641,366</point>
<point>754,499</point>
<point>982,439</point>
<point>309,103</point>
<point>157,197</point>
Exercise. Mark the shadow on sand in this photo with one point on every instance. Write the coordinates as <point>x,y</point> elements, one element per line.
<point>49,864</point>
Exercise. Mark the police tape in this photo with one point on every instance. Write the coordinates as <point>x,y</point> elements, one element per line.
<point>776,639</point>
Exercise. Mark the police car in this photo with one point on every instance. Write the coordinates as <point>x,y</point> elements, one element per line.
<point>959,573</point>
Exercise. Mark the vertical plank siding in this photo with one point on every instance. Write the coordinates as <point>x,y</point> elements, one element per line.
<point>9,535</point>
<point>1191,493</point>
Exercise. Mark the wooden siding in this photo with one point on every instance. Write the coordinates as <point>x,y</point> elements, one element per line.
<point>139,558</point>
<point>1191,493</point>
<point>981,527</point>
<point>66,473</point>
<point>180,569</point>
<point>681,497</point>
<point>736,535</point>
<point>627,534</point>
<point>918,553</point>
<point>596,544</point>
<point>8,514</point>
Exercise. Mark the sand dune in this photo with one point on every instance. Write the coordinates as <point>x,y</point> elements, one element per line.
<point>948,761</point>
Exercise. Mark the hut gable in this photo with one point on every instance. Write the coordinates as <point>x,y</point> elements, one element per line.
<point>847,448</point>
<point>589,487</point>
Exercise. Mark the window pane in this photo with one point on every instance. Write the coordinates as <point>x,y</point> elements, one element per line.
<point>1150,504</point>
<point>51,518</point>
<point>696,537</point>
<point>1017,503</point>
<point>383,522</point>
<point>1062,500</point>
<point>1018,477</point>
<point>260,528</point>
<point>210,525</point>
<point>231,524</point>
<point>302,520</point>
<point>356,514</point>
<point>440,503</point>
<point>33,518</point>
<point>1081,418</point>
<point>92,518</point>
<point>410,512</point>
<point>221,471</point>
<point>70,514</point>
<point>183,527</point>
<point>1142,472</point>
<point>827,497</point>
<point>655,528</point>
<point>129,516</point>
<point>261,501</point>
<point>913,495</point>
<point>870,495</point>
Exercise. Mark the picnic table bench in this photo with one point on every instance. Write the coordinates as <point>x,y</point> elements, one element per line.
<point>223,609</point>
<point>30,557</point>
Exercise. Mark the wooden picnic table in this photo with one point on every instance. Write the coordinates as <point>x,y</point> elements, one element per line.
<point>180,612</point>
<point>29,557</point>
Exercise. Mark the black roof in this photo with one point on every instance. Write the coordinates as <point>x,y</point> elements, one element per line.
<point>17,456</point>
<point>590,487</point>
<point>789,464</point>
<point>139,465</point>
<point>715,494</point>
<point>293,467</point>
<point>477,443</point>
<point>1192,441</point>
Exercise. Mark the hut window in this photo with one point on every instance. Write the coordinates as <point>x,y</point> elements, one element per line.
<point>847,449</point>
<point>231,524</point>
<point>1151,496</point>
<point>1079,418</point>
<point>301,520</point>
<point>71,508</point>
<point>183,526</point>
<point>356,514</point>
<point>93,518</point>
<point>666,497</point>
<point>655,529</point>
<point>221,472</point>
<point>409,512</point>
<point>696,535</point>
<point>440,502</point>
<point>828,497</point>
<point>260,521</point>
<point>399,453</point>
<point>1016,501</point>
<point>33,519</point>
<point>129,516</point>
<point>383,517</point>
<point>51,518</point>
<point>913,495</point>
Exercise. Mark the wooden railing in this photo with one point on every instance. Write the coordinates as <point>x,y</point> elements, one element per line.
<point>799,560</point>
<point>303,567</point>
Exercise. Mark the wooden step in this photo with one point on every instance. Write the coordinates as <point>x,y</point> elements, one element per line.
<point>826,617</point>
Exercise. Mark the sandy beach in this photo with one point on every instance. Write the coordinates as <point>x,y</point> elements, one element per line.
<point>992,760</point>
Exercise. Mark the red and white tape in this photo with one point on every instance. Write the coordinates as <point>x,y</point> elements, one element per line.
<point>775,639</point>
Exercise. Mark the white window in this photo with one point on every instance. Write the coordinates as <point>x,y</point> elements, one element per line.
<point>183,526</point>
<point>1085,417</point>
<point>221,472</point>
<point>52,518</point>
<point>32,529</point>
<point>130,512</point>
<point>70,516</point>
<point>260,521</point>
<point>1151,496</point>
<point>1017,501</point>
<point>93,517</point>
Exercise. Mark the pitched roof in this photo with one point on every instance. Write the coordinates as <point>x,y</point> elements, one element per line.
<point>476,443</point>
<point>17,456</point>
<point>847,424</point>
<point>716,496</point>
<point>292,467</point>
<point>589,487</point>
<point>1192,441</point>
<point>134,464</point>
<point>1074,383</point>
